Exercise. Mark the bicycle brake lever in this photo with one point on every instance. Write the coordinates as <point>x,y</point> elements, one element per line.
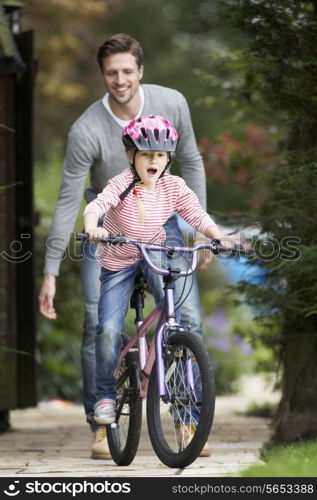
<point>216,244</point>
<point>118,239</point>
<point>81,236</point>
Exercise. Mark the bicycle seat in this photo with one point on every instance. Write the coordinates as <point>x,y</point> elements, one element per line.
<point>139,287</point>
<point>140,282</point>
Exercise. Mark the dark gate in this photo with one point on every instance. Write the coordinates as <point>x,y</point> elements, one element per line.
<point>17,294</point>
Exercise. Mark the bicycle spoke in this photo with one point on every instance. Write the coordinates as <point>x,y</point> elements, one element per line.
<point>182,410</point>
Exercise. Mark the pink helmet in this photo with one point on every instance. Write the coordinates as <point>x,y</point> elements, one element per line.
<point>150,133</point>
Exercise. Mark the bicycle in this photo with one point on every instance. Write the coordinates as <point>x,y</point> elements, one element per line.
<point>174,372</point>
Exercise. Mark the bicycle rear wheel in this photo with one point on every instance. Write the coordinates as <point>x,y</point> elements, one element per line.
<point>124,435</point>
<point>179,424</point>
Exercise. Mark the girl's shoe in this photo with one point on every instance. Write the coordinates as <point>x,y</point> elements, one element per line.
<point>105,411</point>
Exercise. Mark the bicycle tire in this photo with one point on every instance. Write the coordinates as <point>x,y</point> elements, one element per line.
<point>169,422</point>
<point>124,435</point>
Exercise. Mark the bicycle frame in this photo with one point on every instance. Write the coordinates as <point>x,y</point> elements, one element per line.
<point>181,392</point>
<point>163,316</point>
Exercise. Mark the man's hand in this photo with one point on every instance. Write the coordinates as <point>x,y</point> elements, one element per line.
<point>205,255</point>
<point>46,296</point>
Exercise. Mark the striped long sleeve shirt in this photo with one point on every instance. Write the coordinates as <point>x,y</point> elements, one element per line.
<point>171,195</point>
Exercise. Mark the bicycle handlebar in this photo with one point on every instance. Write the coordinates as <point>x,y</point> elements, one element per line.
<point>119,239</point>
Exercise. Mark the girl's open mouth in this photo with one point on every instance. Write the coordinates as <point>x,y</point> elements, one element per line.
<point>152,171</point>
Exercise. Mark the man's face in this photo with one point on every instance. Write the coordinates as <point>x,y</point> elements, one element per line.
<point>122,76</point>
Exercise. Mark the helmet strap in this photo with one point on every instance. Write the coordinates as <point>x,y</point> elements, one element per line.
<point>132,165</point>
<point>136,179</point>
<point>167,165</point>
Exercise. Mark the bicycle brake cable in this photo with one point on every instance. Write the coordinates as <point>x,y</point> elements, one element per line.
<point>177,303</point>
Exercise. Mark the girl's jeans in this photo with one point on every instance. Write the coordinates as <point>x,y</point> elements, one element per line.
<point>115,293</point>
<point>90,274</point>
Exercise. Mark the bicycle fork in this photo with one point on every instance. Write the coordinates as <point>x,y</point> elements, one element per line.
<point>162,380</point>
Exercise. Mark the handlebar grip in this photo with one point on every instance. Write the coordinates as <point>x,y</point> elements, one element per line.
<point>115,239</point>
<point>81,236</point>
<point>237,250</point>
<point>216,244</point>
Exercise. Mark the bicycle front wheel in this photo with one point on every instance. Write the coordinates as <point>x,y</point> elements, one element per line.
<point>180,422</point>
<point>124,435</point>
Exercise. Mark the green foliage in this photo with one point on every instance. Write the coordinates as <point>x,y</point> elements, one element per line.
<point>229,365</point>
<point>279,73</point>
<point>287,248</point>
<point>235,168</point>
<point>59,341</point>
<point>60,372</point>
<point>68,80</point>
<point>280,45</point>
<point>228,330</point>
<point>299,460</point>
<point>257,340</point>
<point>177,49</point>
<point>263,410</point>
<point>8,186</point>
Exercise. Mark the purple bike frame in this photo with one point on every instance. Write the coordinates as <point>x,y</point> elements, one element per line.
<point>164,316</point>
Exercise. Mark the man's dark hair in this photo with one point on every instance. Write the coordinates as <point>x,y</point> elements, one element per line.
<point>120,43</point>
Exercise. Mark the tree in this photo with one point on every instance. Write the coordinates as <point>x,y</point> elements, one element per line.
<point>281,67</point>
<point>68,33</point>
<point>68,79</point>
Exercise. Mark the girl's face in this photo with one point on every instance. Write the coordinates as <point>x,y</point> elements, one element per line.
<point>149,165</point>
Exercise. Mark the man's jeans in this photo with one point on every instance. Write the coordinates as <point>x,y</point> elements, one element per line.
<point>90,274</point>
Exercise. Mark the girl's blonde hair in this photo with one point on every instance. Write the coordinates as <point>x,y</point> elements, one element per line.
<point>140,207</point>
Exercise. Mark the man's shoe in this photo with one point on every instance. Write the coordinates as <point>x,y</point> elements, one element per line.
<point>206,451</point>
<point>105,411</point>
<point>99,447</point>
<point>185,434</point>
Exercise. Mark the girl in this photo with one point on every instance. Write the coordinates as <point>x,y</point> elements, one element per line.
<point>137,203</point>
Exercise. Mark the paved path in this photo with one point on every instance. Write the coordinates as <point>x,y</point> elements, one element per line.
<point>55,441</point>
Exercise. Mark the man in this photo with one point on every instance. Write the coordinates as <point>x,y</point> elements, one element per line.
<point>94,146</point>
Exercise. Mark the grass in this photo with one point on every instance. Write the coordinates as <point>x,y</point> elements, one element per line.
<point>264,410</point>
<point>295,460</point>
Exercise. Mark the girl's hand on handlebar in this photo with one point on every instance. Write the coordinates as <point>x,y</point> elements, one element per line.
<point>229,242</point>
<point>205,256</point>
<point>236,240</point>
<point>97,232</point>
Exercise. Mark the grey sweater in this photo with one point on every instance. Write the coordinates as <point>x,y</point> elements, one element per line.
<point>94,146</point>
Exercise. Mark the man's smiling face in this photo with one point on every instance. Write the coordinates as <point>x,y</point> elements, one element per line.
<point>122,76</point>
